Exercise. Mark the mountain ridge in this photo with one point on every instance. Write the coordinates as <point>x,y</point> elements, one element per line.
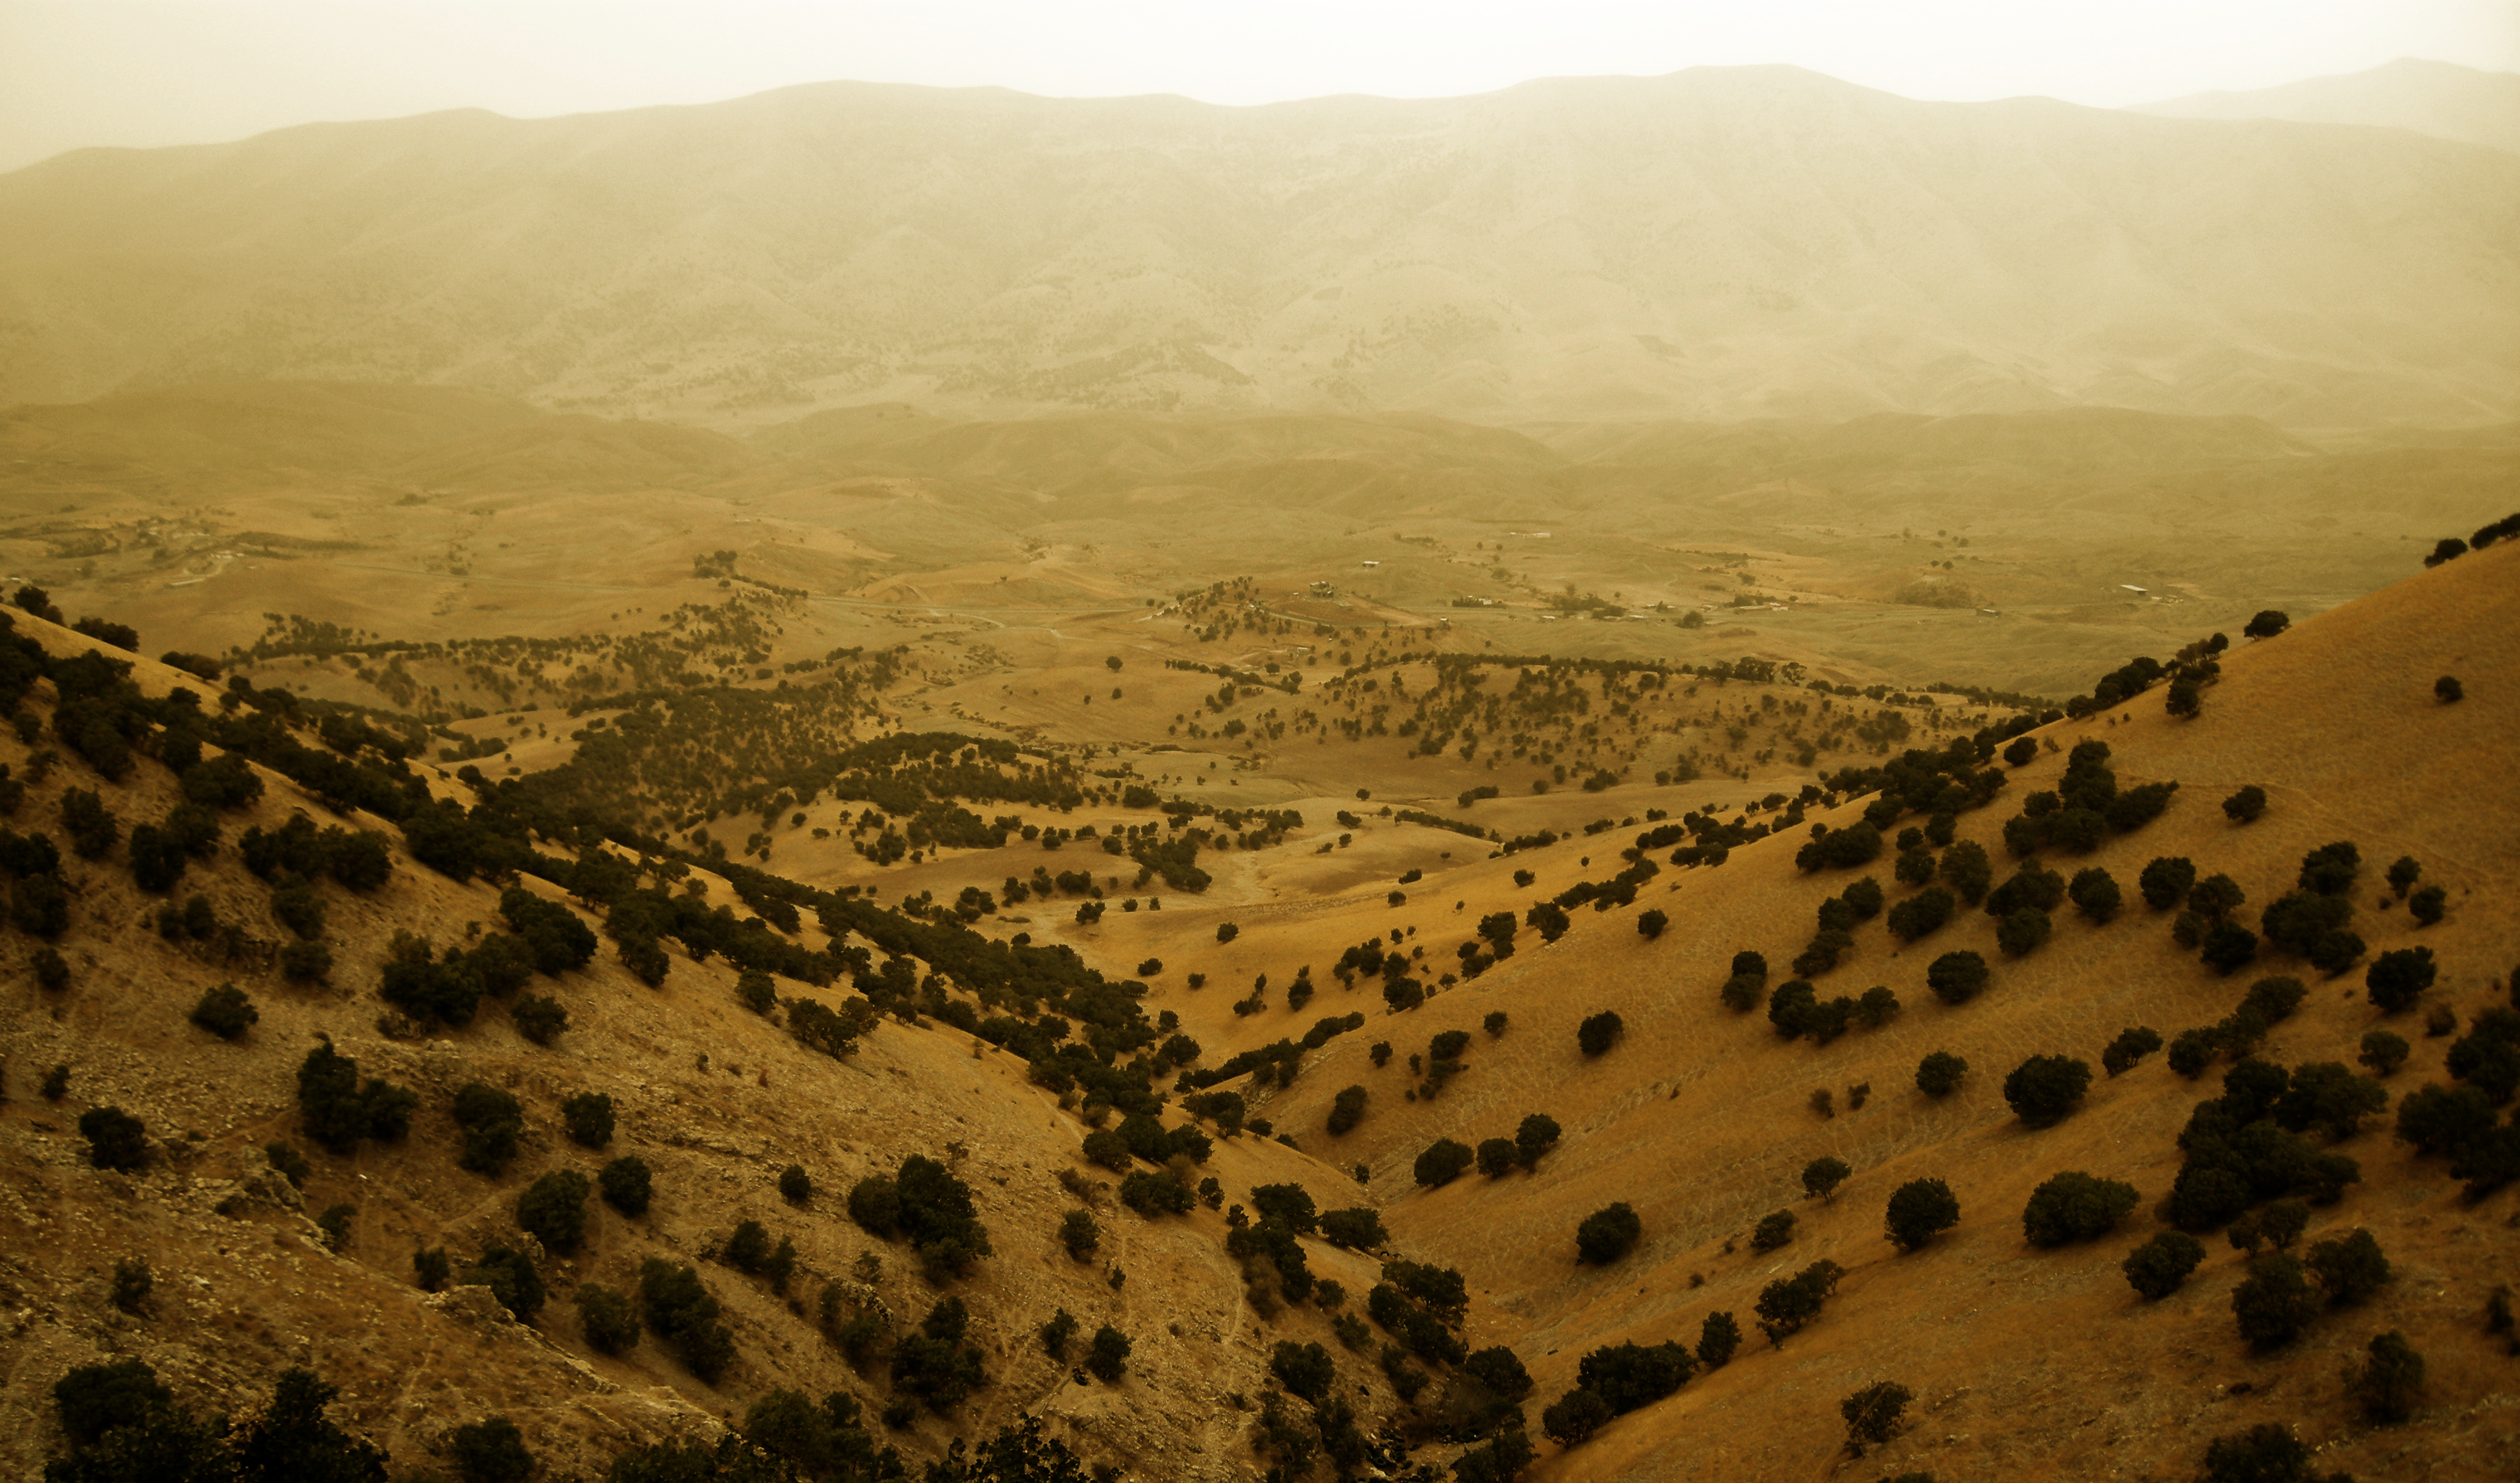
<point>1718,244</point>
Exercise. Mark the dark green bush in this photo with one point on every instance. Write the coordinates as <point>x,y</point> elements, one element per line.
<point>115,1139</point>
<point>1957,978</point>
<point>588,1117</point>
<point>2045,1090</point>
<point>1608,1233</point>
<point>1443,1162</point>
<point>2397,978</point>
<point>626,1184</point>
<point>2158,1267</point>
<point>490,1450</point>
<point>492,1122</point>
<point>225,1011</point>
<point>1918,1211</point>
<point>553,1209</point>
<point>512,1280</point>
<point>2075,1207</point>
<point>608,1318</point>
<point>1939,1074</point>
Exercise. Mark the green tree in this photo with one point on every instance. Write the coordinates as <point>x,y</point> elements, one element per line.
<point>1939,1074</point>
<point>1358,1229</point>
<point>1718,1337</point>
<point>1873,1413</point>
<point>490,1450</point>
<point>1957,978</point>
<point>1788,1304</point>
<point>1080,1234</point>
<point>1823,1175</point>
<point>1598,1032</point>
<point>1968,871</point>
<point>225,1011</point>
<point>1918,1211</point>
<point>2349,1268</point>
<point>2045,1090</point>
<point>1443,1162</point>
<point>2247,806</point>
<point>1106,1358</point>
<point>2166,881</point>
<point>2389,1379</point>
<point>2274,1303</point>
<point>1347,1109</point>
<point>2131,1046</point>
<point>2267,624</point>
<point>115,1139</point>
<point>2397,976</point>
<point>2023,931</point>
<point>2094,893</point>
<point>492,1121</point>
<point>608,1318</point>
<point>554,1210</point>
<point>1573,1418</point>
<point>588,1117</point>
<point>2158,1267</point>
<point>1608,1233</point>
<point>2075,1207</point>
<point>2383,1050</point>
<point>1533,1138</point>
<point>626,1184</point>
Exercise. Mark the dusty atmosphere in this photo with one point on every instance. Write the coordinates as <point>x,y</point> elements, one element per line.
<point>1704,777</point>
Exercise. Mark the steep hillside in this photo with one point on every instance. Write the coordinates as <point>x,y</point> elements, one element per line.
<point>2435,98</point>
<point>2023,1361</point>
<point>1045,1037</point>
<point>1715,244</point>
<point>714,1099</point>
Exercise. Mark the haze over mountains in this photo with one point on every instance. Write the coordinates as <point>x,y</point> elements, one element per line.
<point>1715,244</point>
<point>2432,98</point>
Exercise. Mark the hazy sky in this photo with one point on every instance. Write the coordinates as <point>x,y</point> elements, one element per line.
<point>76,72</point>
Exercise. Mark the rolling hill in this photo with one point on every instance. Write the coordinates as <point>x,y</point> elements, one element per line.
<point>2021,1359</point>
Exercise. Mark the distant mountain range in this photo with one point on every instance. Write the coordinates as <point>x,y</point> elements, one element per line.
<point>1721,244</point>
<point>2432,98</point>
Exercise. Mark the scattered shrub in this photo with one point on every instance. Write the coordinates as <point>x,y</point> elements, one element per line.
<point>588,1117</point>
<point>225,1011</point>
<point>1957,978</point>
<point>608,1318</point>
<point>2045,1090</point>
<point>2389,1379</point>
<point>1608,1234</point>
<point>1443,1162</point>
<point>2131,1047</point>
<point>626,1184</point>
<point>1822,1177</point>
<point>2157,1268</point>
<point>553,1209</point>
<point>2397,976</point>
<point>492,1122</point>
<point>1939,1074</point>
<point>115,1139</point>
<point>1918,1211</point>
<point>2075,1207</point>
